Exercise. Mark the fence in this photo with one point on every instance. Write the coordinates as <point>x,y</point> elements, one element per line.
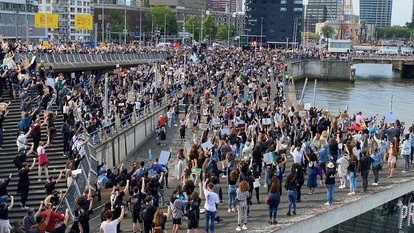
<point>86,178</point>
<point>73,62</point>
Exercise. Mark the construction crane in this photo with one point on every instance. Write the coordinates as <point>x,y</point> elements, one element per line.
<point>347,9</point>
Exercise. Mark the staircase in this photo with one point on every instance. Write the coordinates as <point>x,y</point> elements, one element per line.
<point>56,160</point>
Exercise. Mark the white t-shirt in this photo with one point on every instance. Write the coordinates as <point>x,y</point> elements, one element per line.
<point>211,200</point>
<point>109,227</point>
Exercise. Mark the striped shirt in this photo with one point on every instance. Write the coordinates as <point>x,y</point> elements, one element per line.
<point>242,196</point>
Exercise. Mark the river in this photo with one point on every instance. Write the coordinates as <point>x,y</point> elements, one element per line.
<point>370,93</point>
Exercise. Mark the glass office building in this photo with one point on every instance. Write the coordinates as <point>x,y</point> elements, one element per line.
<point>391,217</point>
<point>319,11</point>
<point>376,12</point>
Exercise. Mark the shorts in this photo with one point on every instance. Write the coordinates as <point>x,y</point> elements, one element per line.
<point>192,224</point>
<point>135,218</point>
<point>177,221</point>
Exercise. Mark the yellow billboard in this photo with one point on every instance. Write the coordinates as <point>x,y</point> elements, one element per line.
<point>83,22</point>
<point>52,20</point>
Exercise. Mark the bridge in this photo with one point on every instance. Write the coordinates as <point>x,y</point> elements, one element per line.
<point>66,62</point>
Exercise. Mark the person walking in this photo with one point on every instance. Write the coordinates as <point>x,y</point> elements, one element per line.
<point>193,210</point>
<point>290,185</point>
<point>242,195</point>
<point>406,152</point>
<point>376,165</point>
<point>391,157</point>
<point>231,191</point>
<point>109,226</point>
<point>43,159</point>
<point>352,166</point>
<point>212,200</point>
<point>342,170</point>
<point>312,174</point>
<point>273,199</point>
<point>330,182</point>
<point>364,167</point>
<point>24,182</point>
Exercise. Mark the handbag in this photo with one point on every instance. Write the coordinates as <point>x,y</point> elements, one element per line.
<point>43,159</point>
<point>267,199</point>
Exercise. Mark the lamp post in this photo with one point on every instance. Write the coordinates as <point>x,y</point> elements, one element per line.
<point>261,34</point>
<point>103,22</point>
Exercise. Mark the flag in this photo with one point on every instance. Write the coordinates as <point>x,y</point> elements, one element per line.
<point>149,155</point>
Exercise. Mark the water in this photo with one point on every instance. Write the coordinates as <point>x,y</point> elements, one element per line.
<point>370,93</point>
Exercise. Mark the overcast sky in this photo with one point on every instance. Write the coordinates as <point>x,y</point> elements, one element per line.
<point>401,11</point>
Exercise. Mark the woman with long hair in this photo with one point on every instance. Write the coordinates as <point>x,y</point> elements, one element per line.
<point>158,223</point>
<point>242,194</point>
<point>391,157</point>
<point>232,181</point>
<point>352,166</point>
<point>274,199</point>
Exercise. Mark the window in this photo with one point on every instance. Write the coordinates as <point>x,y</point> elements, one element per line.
<point>283,9</point>
<point>297,9</point>
<point>72,16</point>
<point>79,10</point>
<point>297,2</point>
<point>79,3</point>
<point>282,1</point>
<point>72,9</point>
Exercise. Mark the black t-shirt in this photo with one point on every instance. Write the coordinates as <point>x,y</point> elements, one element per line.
<point>50,186</point>
<point>60,229</point>
<point>4,213</point>
<point>1,121</point>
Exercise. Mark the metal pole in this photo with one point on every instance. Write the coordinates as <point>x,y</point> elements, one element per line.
<point>183,31</point>
<point>287,43</point>
<point>27,23</point>
<point>165,28</point>
<point>45,19</point>
<point>17,24</point>
<point>303,90</point>
<point>103,22</point>
<point>229,23</point>
<point>152,28</point>
<point>106,95</point>
<point>125,30</point>
<point>392,98</point>
<point>261,33</point>
<point>140,25</point>
<point>314,93</point>
<point>95,27</point>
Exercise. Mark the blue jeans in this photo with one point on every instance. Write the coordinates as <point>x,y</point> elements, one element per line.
<point>352,182</point>
<point>406,162</point>
<point>231,191</point>
<point>292,195</point>
<point>330,192</point>
<point>274,201</point>
<point>169,122</point>
<point>210,218</point>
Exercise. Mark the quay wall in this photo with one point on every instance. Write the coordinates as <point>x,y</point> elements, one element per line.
<point>327,70</point>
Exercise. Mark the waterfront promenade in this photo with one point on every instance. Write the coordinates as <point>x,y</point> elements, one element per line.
<point>311,208</point>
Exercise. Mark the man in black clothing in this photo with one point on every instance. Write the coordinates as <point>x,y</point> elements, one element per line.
<point>50,186</point>
<point>364,167</point>
<point>147,214</point>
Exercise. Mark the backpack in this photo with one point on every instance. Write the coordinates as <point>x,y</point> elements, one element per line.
<point>144,214</point>
<point>153,185</point>
<point>193,211</point>
<point>136,207</point>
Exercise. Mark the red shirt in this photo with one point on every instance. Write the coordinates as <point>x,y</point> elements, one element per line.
<point>161,121</point>
<point>51,224</point>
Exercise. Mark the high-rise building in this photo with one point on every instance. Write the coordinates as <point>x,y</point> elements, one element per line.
<point>278,21</point>
<point>221,5</point>
<point>319,11</point>
<point>376,12</point>
<point>240,6</point>
<point>183,9</point>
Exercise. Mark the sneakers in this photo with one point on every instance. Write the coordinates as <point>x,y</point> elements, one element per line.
<point>233,210</point>
<point>404,171</point>
<point>265,185</point>
<point>40,180</point>
<point>349,194</point>
<point>375,184</point>
<point>244,227</point>
<point>229,210</point>
<point>327,203</point>
<point>342,187</point>
<point>223,176</point>
<point>238,228</point>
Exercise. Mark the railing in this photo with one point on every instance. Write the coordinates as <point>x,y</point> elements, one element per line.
<point>383,57</point>
<point>86,178</point>
<point>78,60</point>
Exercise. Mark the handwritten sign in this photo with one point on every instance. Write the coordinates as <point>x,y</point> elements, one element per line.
<point>197,171</point>
<point>207,145</point>
<point>164,157</point>
<point>266,121</point>
<point>390,118</point>
<point>216,121</point>
<point>225,131</point>
<point>269,158</point>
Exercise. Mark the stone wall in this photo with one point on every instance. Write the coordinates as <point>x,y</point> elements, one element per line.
<point>328,70</point>
<point>127,142</point>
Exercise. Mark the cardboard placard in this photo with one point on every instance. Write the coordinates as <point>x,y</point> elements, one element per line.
<point>207,145</point>
<point>225,131</point>
<point>197,171</point>
<point>256,183</point>
<point>266,121</point>
<point>164,157</point>
<point>216,121</point>
<point>390,118</point>
<point>269,158</point>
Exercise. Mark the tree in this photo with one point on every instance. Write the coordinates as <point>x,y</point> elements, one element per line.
<point>209,28</point>
<point>223,32</point>
<point>117,23</point>
<point>395,32</point>
<point>192,25</point>
<point>311,35</point>
<point>158,17</point>
<point>327,31</point>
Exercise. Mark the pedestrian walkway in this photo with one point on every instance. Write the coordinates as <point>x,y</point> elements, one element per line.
<point>311,205</point>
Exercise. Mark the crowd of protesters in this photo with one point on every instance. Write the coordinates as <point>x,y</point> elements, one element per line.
<point>235,99</point>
